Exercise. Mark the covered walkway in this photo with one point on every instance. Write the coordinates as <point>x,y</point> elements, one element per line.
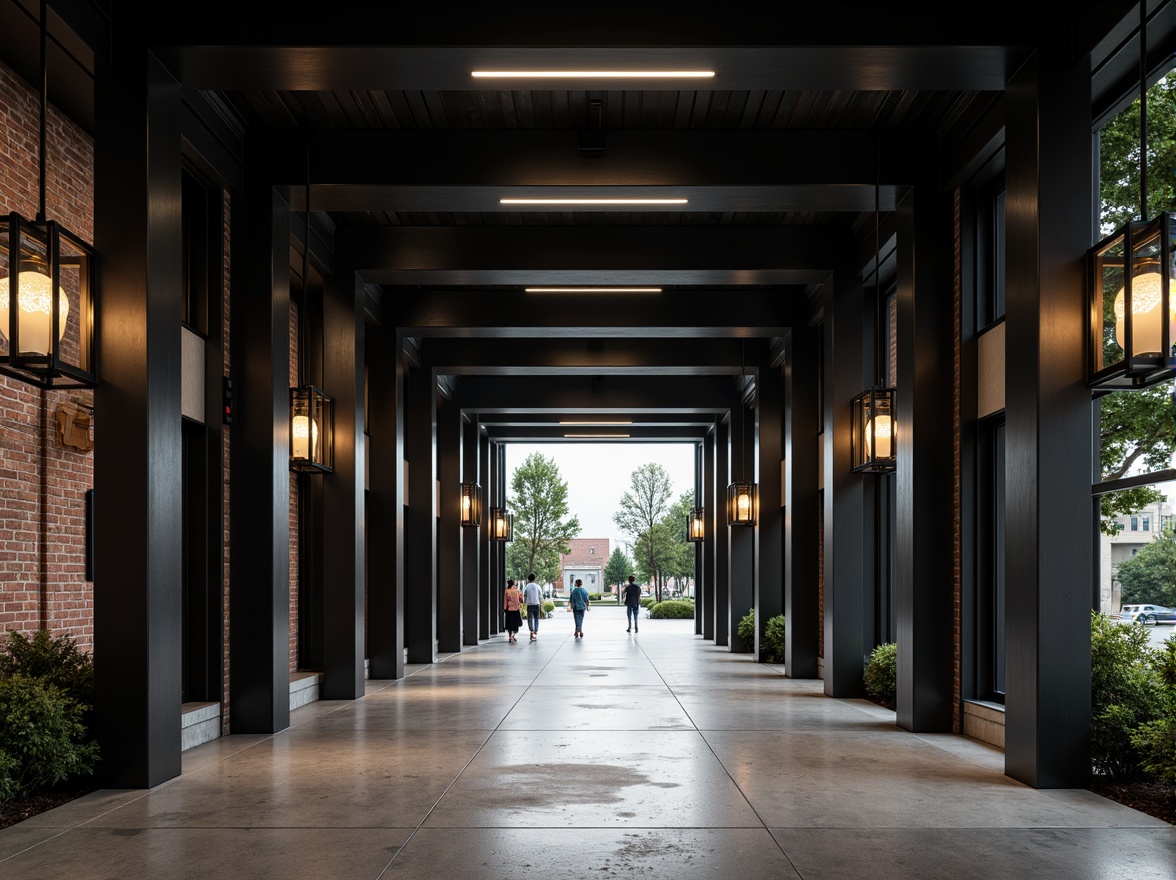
<point>648,755</point>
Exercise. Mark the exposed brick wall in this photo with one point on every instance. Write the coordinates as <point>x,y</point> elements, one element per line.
<point>43,484</point>
<point>956,491</point>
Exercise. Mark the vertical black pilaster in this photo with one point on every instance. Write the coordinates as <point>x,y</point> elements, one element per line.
<point>801,584</point>
<point>343,491</point>
<point>844,545</point>
<point>711,508</point>
<point>471,539</point>
<point>923,563</point>
<point>769,531</point>
<point>420,601</point>
<point>722,533</point>
<point>1048,416</point>
<point>449,538</point>
<point>486,615</point>
<point>741,554</point>
<point>699,495</point>
<point>386,493</point>
<point>137,473</point>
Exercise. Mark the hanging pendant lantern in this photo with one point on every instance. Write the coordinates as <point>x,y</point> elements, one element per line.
<point>312,447</point>
<point>501,525</point>
<point>741,503</point>
<point>695,526</point>
<point>873,438</point>
<point>471,505</point>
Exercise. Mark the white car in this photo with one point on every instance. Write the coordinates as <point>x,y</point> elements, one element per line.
<point>1146,614</point>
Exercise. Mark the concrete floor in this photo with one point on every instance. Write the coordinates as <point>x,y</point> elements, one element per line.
<point>647,755</point>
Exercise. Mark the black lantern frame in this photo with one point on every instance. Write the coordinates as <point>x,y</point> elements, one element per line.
<point>52,349</point>
<point>471,505</point>
<point>1132,314</point>
<point>873,432</point>
<point>742,503</point>
<point>501,525</point>
<point>312,435</point>
<point>695,526</point>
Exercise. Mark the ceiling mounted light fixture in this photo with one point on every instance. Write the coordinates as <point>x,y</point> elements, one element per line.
<point>46,268</point>
<point>560,200</point>
<point>1132,315</point>
<point>596,436</point>
<point>592,74</point>
<point>592,290</point>
<point>603,424</point>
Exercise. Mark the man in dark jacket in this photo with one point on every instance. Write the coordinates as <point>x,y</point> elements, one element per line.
<point>632,603</point>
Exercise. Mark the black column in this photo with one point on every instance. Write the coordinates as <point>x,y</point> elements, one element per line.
<point>343,491</point>
<point>741,558</point>
<point>711,507</point>
<point>769,530</point>
<point>449,537</point>
<point>420,601</point>
<point>924,475</point>
<point>386,492</point>
<point>471,539</point>
<point>1048,420</point>
<point>844,521</point>
<point>698,552</point>
<point>722,532</point>
<point>137,473</point>
<point>487,618</point>
<point>802,503</point>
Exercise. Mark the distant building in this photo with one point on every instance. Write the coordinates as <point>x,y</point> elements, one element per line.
<point>1135,532</point>
<point>586,561</point>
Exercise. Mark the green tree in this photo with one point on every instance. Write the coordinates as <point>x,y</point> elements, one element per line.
<point>642,508</point>
<point>619,567</point>
<point>1150,575</point>
<point>539,502</point>
<point>1138,428</point>
<point>656,549</point>
<point>680,563</point>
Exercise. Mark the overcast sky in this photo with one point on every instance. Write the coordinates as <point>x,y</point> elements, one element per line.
<point>598,474</point>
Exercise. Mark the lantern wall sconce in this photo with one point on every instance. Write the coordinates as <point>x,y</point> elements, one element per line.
<point>695,526</point>
<point>471,505</point>
<point>501,525</point>
<point>741,503</point>
<point>1132,313</point>
<point>312,442</point>
<point>873,446</point>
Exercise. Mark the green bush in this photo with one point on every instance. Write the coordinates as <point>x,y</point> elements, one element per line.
<point>881,673</point>
<point>594,597</point>
<point>773,641</point>
<point>672,609</point>
<point>1155,740</point>
<point>548,607</point>
<point>746,629</point>
<point>55,661</point>
<point>41,736</point>
<point>648,602</point>
<point>1125,695</point>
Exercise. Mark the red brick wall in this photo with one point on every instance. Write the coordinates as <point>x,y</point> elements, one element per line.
<point>43,484</point>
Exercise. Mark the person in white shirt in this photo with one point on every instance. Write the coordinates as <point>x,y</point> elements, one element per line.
<point>533,597</point>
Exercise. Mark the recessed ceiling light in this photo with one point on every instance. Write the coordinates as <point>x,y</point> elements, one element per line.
<point>596,436</point>
<point>598,201</point>
<point>592,74</point>
<point>592,290</point>
<point>604,424</point>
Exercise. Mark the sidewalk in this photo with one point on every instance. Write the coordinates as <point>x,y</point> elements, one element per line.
<point>653,754</point>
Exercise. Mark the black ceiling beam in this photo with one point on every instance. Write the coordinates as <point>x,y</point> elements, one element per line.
<point>535,255</point>
<point>604,419</point>
<point>658,356</point>
<point>593,394</point>
<point>686,433</point>
<point>682,314</point>
<point>389,170</point>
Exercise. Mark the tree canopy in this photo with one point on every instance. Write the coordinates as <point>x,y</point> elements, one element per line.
<point>619,567</point>
<point>641,510</point>
<point>1150,575</point>
<point>539,502</point>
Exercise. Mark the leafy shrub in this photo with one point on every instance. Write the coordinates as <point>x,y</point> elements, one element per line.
<point>881,673</point>
<point>548,607</point>
<point>594,597</point>
<point>746,629</point>
<point>1156,740</point>
<point>55,661</point>
<point>1125,695</point>
<point>648,602</point>
<point>774,639</point>
<point>672,609</point>
<point>41,733</point>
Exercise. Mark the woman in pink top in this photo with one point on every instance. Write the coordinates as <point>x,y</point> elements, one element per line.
<point>512,602</point>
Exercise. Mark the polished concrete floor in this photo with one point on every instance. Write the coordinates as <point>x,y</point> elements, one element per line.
<point>619,755</point>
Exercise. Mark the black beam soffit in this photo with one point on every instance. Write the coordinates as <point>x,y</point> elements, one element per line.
<point>592,394</point>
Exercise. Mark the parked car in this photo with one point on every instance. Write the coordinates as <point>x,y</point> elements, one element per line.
<point>1149,615</point>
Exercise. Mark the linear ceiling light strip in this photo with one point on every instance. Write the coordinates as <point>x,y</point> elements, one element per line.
<point>592,74</point>
<point>596,201</point>
<point>592,290</point>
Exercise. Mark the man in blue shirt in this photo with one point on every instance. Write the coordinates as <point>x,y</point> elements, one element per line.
<point>578,602</point>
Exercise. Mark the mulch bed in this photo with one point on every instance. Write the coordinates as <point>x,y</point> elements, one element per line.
<point>15,811</point>
<point>1153,798</point>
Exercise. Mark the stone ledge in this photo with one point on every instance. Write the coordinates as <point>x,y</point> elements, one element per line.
<point>304,688</point>
<point>199,723</point>
<point>985,721</point>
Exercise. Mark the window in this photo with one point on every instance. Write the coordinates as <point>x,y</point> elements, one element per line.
<point>591,551</point>
<point>1135,524</point>
<point>1147,523</point>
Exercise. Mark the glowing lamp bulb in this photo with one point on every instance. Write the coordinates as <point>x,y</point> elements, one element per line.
<point>1145,315</point>
<point>34,316</point>
<point>304,438</point>
<point>881,430</point>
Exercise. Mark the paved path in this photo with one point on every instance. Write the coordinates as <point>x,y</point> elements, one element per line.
<point>651,755</point>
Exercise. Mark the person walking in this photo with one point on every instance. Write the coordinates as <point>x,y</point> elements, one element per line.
<point>511,603</point>
<point>632,603</point>
<point>533,597</point>
<point>578,602</point>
